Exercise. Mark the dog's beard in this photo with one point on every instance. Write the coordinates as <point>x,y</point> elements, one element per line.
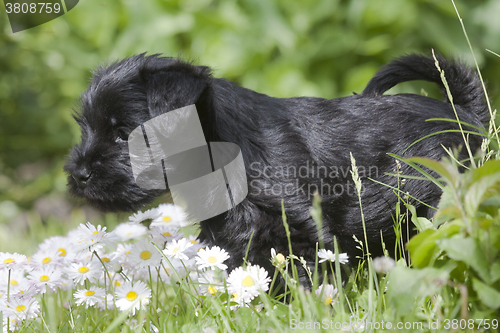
<point>112,186</point>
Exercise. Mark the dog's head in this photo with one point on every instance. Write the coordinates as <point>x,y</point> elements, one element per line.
<point>121,97</point>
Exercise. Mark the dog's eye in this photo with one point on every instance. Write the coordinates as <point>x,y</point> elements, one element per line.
<point>122,134</point>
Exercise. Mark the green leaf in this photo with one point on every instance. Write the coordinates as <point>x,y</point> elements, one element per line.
<point>418,239</point>
<point>468,251</point>
<point>424,254</point>
<point>495,272</point>
<point>423,246</point>
<point>245,315</point>
<point>491,205</point>
<point>407,285</point>
<point>447,208</point>
<point>420,222</point>
<point>489,168</point>
<point>488,295</point>
<point>484,184</point>
<point>363,299</point>
<point>444,169</point>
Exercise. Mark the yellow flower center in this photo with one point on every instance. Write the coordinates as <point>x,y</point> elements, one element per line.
<point>235,296</point>
<point>9,261</point>
<point>13,282</point>
<point>212,259</point>
<point>46,260</point>
<point>95,233</point>
<point>90,293</point>
<point>131,296</point>
<point>248,281</point>
<point>167,234</point>
<point>175,250</point>
<point>106,259</point>
<point>44,278</point>
<point>128,252</point>
<point>145,255</point>
<point>118,283</point>
<point>63,252</point>
<point>212,290</point>
<point>167,219</point>
<point>328,300</point>
<point>280,258</point>
<point>83,269</point>
<point>194,241</point>
<point>20,308</point>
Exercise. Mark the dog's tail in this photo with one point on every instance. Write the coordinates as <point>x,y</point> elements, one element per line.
<point>465,85</point>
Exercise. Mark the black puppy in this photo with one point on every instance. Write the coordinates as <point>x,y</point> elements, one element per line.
<point>291,147</point>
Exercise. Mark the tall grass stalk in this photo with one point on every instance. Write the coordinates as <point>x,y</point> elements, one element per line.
<point>450,98</point>
<point>357,182</point>
<point>492,117</point>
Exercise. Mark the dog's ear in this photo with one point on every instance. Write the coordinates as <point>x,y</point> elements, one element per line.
<point>171,84</point>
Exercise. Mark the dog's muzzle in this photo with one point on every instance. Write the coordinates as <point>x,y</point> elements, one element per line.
<point>82,176</point>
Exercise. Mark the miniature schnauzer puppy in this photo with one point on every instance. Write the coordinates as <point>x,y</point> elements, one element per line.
<point>291,147</point>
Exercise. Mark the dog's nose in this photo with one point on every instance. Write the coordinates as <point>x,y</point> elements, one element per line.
<point>82,176</point>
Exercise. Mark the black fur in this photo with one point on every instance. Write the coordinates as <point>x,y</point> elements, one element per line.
<point>312,136</point>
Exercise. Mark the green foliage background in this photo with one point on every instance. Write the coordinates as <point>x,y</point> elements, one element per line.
<point>325,48</point>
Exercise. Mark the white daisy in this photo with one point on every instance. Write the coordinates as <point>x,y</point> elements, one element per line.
<point>47,257</point>
<point>144,254</point>
<point>9,260</point>
<point>24,289</point>
<point>89,237</point>
<point>260,276</point>
<point>46,277</point>
<point>122,253</point>
<point>211,258</point>
<point>208,284</point>
<point>325,255</point>
<point>85,270</point>
<point>132,297</point>
<point>14,323</point>
<point>328,293</point>
<point>197,245</point>
<point>130,230</point>
<point>169,215</point>
<point>117,279</point>
<point>63,246</point>
<point>18,282</point>
<point>139,217</point>
<point>90,296</point>
<point>247,284</point>
<point>176,249</point>
<point>22,308</point>
<point>277,260</point>
<point>163,234</point>
<point>235,297</point>
<point>107,258</point>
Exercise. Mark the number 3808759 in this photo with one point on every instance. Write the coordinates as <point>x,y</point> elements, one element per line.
<point>40,7</point>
